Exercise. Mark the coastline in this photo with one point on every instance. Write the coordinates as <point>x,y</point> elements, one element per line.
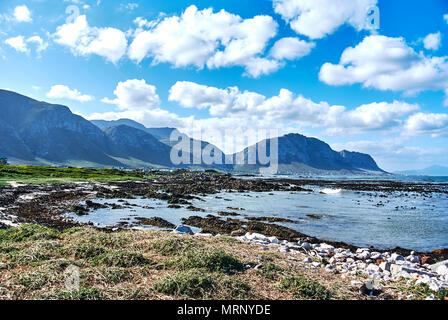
<point>47,205</point>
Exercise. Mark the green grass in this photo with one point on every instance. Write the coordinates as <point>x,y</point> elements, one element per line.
<point>122,259</point>
<point>44,175</point>
<point>27,232</point>
<point>187,284</point>
<point>81,294</point>
<point>210,260</point>
<point>270,271</point>
<point>304,288</point>
<point>33,280</point>
<point>195,284</point>
<point>168,247</point>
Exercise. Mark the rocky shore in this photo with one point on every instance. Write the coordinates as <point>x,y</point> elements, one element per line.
<point>48,204</point>
<point>386,266</point>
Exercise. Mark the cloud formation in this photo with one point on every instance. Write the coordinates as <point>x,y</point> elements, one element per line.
<point>203,38</point>
<point>319,18</point>
<point>286,107</point>
<point>434,124</point>
<point>134,95</point>
<point>433,41</point>
<point>291,49</point>
<point>22,14</point>
<point>386,63</point>
<point>63,92</point>
<point>135,99</point>
<point>20,44</point>
<point>84,40</point>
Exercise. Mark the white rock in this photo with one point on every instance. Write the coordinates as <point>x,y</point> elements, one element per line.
<point>376,276</point>
<point>375,256</point>
<point>385,266</point>
<point>396,257</point>
<point>363,255</point>
<point>413,259</point>
<point>306,246</point>
<point>372,268</point>
<point>434,286</point>
<point>327,247</point>
<point>395,269</point>
<point>431,297</point>
<point>442,270</point>
<point>400,270</point>
<point>356,283</point>
<point>435,266</point>
<point>203,235</point>
<point>273,240</point>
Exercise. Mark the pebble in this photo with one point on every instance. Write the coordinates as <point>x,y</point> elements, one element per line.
<point>387,266</point>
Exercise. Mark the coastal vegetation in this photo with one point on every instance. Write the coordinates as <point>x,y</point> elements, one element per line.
<point>43,175</point>
<point>153,264</point>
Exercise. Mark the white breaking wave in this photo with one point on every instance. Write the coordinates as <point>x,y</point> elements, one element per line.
<point>331,191</point>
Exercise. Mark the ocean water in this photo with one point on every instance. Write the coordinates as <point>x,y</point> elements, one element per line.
<point>385,221</point>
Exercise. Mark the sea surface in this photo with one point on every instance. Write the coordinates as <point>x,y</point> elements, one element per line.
<point>385,221</point>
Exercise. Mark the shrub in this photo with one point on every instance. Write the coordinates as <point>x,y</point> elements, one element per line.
<point>304,288</point>
<point>235,289</point>
<point>214,261</point>
<point>189,284</point>
<point>88,251</point>
<point>173,246</point>
<point>270,271</point>
<point>122,259</point>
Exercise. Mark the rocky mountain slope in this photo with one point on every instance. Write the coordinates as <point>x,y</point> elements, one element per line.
<point>35,132</point>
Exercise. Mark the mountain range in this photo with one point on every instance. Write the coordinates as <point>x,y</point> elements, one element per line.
<point>36,132</point>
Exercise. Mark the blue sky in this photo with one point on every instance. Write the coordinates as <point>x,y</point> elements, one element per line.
<point>294,65</point>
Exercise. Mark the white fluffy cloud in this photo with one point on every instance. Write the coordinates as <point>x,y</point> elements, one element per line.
<point>434,124</point>
<point>445,17</point>
<point>388,64</point>
<point>208,39</point>
<point>22,14</point>
<point>245,110</point>
<point>291,48</point>
<point>20,43</point>
<point>82,39</point>
<point>134,95</point>
<point>286,107</point>
<point>137,100</point>
<point>433,41</point>
<point>319,18</point>
<point>63,92</point>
